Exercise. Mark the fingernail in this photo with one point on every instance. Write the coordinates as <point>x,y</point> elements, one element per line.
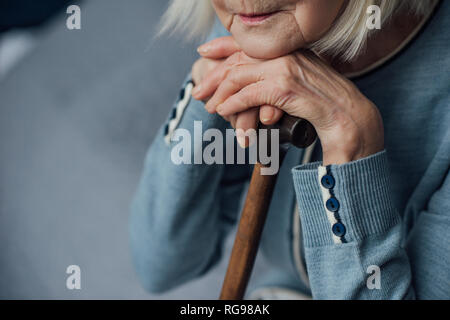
<point>267,115</point>
<point>196,90</point>
<point>203,49</point>
<point>240,136</point>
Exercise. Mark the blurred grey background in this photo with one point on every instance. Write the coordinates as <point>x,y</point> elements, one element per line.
<point>78,111</point>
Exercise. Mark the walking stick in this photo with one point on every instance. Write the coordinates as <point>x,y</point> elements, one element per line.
<point>293,131</point>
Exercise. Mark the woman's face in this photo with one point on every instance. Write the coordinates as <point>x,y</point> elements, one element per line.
<point>272,28</point>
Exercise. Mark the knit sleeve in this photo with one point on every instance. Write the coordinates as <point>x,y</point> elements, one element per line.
<point>352,231</point>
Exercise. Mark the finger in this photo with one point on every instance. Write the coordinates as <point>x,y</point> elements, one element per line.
<point>219,48</point>
<point>196,71</point>
<point>245,121</point>
<point>210,82</point>
<point>201,67</point>
<point>279,94</point>
<point>213,79</point>
<point>233,120</point>
<point>253,95</point>
<point>238,77</point>
<point>269,115</point>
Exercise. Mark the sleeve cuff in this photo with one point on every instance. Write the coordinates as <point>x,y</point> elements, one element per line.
<point>361,204</point>
<point>186,111</point>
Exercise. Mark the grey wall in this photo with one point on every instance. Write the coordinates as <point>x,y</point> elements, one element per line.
<point>76,117</point>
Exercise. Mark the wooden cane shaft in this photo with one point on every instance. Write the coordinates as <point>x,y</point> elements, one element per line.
<point>248,235</point>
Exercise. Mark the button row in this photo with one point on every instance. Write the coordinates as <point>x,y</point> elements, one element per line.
<point>178,111</point>
<point>332,205</point>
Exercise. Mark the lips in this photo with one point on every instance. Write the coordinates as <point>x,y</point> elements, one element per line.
<point>254,19</point>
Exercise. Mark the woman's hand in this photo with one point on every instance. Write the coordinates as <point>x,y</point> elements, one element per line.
<point>301,84</point>
<point>214,57</point>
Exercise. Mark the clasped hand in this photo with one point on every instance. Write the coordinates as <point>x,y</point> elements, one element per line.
<point>244,91</point>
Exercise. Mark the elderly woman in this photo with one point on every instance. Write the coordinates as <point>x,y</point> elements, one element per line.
<point>362,214</point>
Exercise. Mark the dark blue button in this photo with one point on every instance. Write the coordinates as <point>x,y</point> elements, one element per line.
<point>332,204</point>
<point>181,96</point>
<point>328,182</point>
<point>173,114</point>
<point>339,229</point>
<point>166,130</point>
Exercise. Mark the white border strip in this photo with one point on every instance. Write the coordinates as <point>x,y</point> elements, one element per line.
<point>325,196</point>
<point>181,107</point>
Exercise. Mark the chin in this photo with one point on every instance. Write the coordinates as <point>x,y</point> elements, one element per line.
<point>266,47</point>
<point>274,37</point>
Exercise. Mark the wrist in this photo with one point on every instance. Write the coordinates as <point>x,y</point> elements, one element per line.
<point>351,147</point>
<point>351,140</point>
<point>339,157</point>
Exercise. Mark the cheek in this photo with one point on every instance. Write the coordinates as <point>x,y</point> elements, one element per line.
<point>222,13</point>
<point>315,17</point>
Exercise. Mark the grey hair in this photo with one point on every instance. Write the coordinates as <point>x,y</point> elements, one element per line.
<point>346,38</point>
<point>193,17</point>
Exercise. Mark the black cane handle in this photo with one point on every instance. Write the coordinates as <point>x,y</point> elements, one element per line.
<point>295,131</point>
